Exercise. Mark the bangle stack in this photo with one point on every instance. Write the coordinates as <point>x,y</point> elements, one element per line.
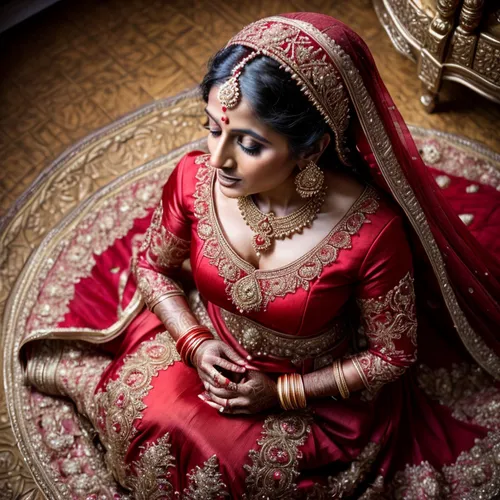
<point>339,377</point>
<point>291,392</point>
<point>190,340</point>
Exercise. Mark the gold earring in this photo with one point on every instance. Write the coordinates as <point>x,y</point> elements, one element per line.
<point>310,180</point>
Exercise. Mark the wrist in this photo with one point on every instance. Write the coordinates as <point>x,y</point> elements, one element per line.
<point>188,343</point>
<point>291,393</point>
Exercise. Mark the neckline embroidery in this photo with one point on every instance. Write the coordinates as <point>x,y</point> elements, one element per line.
<point>252,289</point>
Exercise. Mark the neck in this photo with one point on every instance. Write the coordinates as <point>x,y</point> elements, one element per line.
<point>281,200</point>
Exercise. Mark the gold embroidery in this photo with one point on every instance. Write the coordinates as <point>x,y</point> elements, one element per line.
<point>391,317</point>
<point>150,476</point>
<point>376,372</point>
<point>384,320</point>
<point>162,250</point>
<point>76,257</point>
<point>274,467</point>
<point>253,289</point>
<point>382,149</point>
<point>475,474</point>
<point>206,482</point>
<point>155,287</point>
<point>344,484</point>
<point>261,341</point>
<point>71,369</point>
<point>308,65</point>
<point>121,403</point>
<point>467,390</point>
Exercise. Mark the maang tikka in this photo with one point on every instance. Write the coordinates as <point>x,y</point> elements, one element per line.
<point>309,181</point>
<point>229,92</point>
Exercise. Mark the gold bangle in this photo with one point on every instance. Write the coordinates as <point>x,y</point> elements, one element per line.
<point>281,395</point>
<point>299,393</point>
<point>338,374</point>
<point>302,393</point>
<point>286,392</point>
<point>291,391</point>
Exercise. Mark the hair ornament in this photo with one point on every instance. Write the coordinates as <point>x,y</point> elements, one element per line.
<point>229,92</point>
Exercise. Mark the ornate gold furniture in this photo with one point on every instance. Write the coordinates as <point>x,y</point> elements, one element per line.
<point>455,40</point>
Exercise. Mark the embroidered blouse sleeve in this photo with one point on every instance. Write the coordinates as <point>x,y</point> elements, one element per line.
<point>166,243</point>
<point>386,301</point>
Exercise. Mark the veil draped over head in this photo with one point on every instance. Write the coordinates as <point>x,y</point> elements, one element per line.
<point>336,71</point>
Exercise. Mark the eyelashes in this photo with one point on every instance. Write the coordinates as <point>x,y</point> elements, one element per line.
<point>251,151</point>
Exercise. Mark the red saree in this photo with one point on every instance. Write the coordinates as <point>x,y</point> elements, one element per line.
<point>400,266</point>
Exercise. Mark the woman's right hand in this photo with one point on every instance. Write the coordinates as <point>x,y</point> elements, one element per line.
<point>213,355</point>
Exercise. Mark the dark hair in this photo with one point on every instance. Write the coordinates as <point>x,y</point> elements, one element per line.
<point>274,97</point>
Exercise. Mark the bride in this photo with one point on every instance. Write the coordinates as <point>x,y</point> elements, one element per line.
<point>321,255</point>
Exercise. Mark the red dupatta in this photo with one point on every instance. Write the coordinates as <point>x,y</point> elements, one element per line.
<point>338,75</point>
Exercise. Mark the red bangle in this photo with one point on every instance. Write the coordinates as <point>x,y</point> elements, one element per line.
<point>193,330</point>
<point>192,345</point>
<point>189,342</point>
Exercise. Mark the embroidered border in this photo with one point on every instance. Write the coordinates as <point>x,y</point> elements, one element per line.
<point>121,403</point>
<point>274,467</point>
<point>261,341</point>
<point>206,482</point>
<point>253,289</point>
<point>402,191</point>
<point>149,479</point>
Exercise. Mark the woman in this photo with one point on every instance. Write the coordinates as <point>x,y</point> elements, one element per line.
<point>320,250</point>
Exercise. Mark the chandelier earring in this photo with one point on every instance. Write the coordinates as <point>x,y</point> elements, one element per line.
<point>309,181</point>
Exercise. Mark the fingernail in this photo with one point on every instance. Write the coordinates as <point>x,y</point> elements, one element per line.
<point>221,409</point>
<point>249,357</point>
<point>202,397</point>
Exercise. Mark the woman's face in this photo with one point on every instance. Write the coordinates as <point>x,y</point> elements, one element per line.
<point>249,156</point>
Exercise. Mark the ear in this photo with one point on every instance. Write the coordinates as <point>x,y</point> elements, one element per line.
<point>314,154</point>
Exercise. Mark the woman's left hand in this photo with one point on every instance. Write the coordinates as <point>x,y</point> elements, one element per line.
<point>255,393</point>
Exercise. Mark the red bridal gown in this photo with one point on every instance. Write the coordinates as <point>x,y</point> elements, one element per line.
<point>352,295</point>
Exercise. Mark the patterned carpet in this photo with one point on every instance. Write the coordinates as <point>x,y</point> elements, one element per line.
<point>81,64</point>
<point>95,173</point>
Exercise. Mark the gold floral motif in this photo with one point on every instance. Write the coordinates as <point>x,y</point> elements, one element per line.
<point>259,340</point>
<point>346,482</point>
<point>391,317</point>
<point>475,474</point>
<point>162,250</point>
<point>206,482</point>
<point>69,181</point>
<point>251,289</point>
<point>375,372</point>
<point>155,287</point>
<point>274,467</point>
<point>308,65</point>
<point>381,146</point>
<point>93,236</point>
<point>467,390</point>
<point>149,479</point>
<point>384,320</point>
<point>121,403</point>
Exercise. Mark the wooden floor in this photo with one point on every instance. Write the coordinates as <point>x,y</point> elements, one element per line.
<point>79,65</point>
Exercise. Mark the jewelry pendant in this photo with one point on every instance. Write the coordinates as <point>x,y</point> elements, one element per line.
<point>246,294</point>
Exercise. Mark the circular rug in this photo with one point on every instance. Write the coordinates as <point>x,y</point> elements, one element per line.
<point>69,215</point>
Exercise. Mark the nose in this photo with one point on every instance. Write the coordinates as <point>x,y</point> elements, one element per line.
<point>220,155</point>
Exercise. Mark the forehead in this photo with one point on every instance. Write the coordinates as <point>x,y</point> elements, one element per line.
<point>241,116</point>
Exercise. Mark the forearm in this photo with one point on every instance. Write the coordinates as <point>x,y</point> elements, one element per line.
<point>321,383</point>
<point>175,313</point>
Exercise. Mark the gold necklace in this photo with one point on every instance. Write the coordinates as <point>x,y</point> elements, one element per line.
<point>268,227</point>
